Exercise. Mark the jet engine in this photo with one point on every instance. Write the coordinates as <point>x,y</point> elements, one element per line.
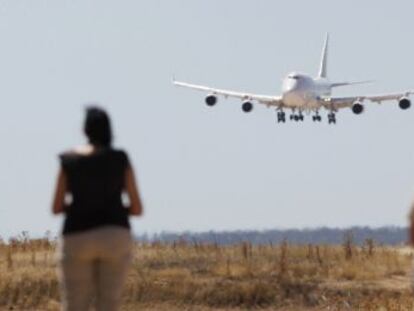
<point>357,108</point>
<point>247,106</point>
<point>211,100</point>
<point>404,103</point>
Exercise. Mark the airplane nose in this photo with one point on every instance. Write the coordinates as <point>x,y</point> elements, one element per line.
<point>289,85</point>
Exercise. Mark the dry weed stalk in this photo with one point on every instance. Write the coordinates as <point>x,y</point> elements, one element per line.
<point>283,258</point>
<point>33,257</point>
<point>9,258</point>
<point>370,245</point>
<point>318,255</point>
<point>348,244</point>
<point>309,256</point>
<point>228,269</point>
<point>247,250</point>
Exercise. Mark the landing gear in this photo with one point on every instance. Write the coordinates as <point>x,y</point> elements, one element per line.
<point>281,117</point>
<point>316,118</point>
<point>297,117</point>
<point>331,118</point>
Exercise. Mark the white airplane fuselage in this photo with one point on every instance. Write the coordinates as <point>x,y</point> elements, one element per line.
<point>304,92</point>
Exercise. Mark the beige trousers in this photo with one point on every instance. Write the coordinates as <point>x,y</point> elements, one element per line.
<point>94,264</point>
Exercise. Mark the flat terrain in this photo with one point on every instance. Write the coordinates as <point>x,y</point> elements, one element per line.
<point>201,277</point>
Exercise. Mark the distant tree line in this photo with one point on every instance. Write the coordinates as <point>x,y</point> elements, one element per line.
<point>383,235</point>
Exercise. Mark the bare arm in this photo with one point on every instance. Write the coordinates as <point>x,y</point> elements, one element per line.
<point>59,199</point>
<point>135,207</point>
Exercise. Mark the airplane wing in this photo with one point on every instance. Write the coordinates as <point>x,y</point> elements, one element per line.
<point>262,99</point>
<point>335,103</point>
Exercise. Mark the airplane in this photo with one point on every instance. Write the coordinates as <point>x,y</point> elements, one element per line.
<point>303,93</point>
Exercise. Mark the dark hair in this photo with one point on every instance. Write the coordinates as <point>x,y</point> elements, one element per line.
<point>98,127</point>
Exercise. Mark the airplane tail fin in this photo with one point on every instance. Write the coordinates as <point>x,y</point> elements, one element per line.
<point>324,59</point>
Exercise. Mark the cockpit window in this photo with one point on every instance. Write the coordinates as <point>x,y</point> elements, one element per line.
<point>296,77</point>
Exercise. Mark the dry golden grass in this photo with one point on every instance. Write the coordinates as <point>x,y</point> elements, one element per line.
<point>195,276</point>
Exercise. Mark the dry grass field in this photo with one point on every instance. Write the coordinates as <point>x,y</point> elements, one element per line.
<point>195,276</point>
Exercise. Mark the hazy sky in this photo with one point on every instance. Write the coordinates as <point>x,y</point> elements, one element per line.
<point>202,168</point>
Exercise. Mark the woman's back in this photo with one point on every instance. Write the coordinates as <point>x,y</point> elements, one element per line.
<point>96,182</point>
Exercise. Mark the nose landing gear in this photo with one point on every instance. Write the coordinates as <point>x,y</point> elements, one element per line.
<point>297,117</point>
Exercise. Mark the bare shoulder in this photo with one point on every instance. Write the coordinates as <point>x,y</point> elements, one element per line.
<point>83,150</point>
<point>75,152</point>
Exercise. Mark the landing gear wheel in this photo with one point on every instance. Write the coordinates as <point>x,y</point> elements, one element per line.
<point>331,118</point>
<point>281,117</point>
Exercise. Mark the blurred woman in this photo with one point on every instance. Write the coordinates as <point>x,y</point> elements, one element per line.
<point>95,250</point>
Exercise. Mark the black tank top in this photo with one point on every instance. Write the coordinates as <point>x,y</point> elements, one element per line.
<point>96,183</point>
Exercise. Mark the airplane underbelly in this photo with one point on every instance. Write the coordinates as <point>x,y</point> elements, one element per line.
<point>294,100</point>
<point>300,100</point>
<point>313,104</point>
